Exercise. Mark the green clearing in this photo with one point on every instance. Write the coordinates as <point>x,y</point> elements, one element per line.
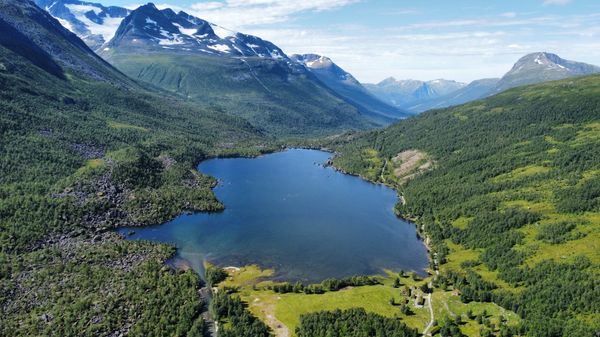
<point>286,309</point>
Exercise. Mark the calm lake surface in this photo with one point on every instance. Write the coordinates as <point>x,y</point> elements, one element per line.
<point>286,211</point>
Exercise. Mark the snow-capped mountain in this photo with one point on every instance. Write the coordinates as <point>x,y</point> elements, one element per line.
<point>407,93</point>
<point>94,23</point>
<point>148,28</point>
<point>344,84</point>
<point>541,67</point>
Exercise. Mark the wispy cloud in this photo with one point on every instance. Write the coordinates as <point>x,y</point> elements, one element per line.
<point>402,12</point>
<point>462,50</point>
<point>237,14</point>
<point>557,2</point>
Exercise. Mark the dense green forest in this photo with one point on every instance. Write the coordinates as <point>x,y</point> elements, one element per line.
<point>513,183</point>
<point>351,323</point>
<point>330,284</point>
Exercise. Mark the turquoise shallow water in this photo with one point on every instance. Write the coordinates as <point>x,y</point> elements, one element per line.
<point>288,212</point>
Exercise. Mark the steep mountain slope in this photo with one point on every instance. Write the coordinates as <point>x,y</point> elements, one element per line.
<point>507,191</point>
<point>407,93</point>
<point>94,23</point>
<point>473,91</point>
<point>241,74</point>
<point>83,149</point>
<point>347,86</point>
<point>542,67</point>
<point>52,45</point>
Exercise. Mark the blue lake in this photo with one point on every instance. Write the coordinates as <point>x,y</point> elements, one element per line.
<point>288,212</point>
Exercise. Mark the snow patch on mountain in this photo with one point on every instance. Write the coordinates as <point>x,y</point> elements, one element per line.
<point>188,31</point>
<point>106,28</point>
<point>66,24</point>
<point>220,47</point>
<point>222,32</point>
<point>170,40</point>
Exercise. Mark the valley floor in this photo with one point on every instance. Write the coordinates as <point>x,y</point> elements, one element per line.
<point>282,311</point>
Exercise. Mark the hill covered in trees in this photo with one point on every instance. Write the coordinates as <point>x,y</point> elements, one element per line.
<point>507,192</point>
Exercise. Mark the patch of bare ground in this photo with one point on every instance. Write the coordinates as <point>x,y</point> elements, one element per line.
<point>278,328</point>
<point>410,163</point>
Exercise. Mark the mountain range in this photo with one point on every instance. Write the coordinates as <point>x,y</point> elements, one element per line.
<point>238,73</point>
<point>406,94</point>
<point>419,96</point>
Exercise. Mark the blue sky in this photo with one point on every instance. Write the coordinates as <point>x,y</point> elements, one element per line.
<point>428,39</point>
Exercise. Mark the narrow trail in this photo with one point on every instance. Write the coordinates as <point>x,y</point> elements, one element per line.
<point>430,303</point>
<point>381,177</point>
<point>278,328</point>
<point>432,319</point>
<point>212,329</point>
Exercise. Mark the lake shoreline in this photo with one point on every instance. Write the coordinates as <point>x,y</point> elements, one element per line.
<point>283,276</point>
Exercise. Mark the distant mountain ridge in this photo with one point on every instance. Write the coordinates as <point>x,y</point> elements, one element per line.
<point>473,91</point>
<point>419,96</point>
<point>349,87</point>
<point>408,93</point>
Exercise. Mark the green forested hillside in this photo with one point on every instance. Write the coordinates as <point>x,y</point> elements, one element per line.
<point>507,192</point>
<point>84,149</point>
<point>271,94</point>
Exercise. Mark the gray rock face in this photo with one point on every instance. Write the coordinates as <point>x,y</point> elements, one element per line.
<point>150,29</point>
